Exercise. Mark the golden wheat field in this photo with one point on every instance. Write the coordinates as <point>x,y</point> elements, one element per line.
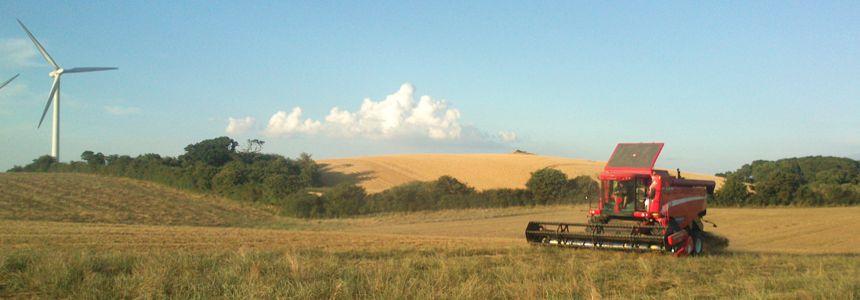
<point>107,242</point>
<point>482,171</point>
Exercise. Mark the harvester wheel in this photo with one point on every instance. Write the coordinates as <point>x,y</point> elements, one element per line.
<point>689,246</point>
<point>698,241</point>
<point>673,227</point>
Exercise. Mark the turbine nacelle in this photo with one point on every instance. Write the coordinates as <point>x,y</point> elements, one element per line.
<point>56,72</point>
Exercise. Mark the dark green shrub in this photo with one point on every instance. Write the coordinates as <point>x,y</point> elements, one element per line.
<point>345,199</point>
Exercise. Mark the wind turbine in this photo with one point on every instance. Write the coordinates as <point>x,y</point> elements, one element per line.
<point>8,81</point>
<point>54,96</point>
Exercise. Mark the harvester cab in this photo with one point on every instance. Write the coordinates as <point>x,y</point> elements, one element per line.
<point>639,208</point>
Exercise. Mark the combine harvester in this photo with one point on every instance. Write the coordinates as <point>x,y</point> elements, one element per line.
<point>639,209</point>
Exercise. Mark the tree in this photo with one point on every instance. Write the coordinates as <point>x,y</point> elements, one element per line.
<point>278,186</point>
<point>214,152</point>
<point>547,185</point>
<point>779,187</point>
<point>253,146</point>
<point>42,164</point>
<point>310,170</point>
<point>583,187</point>
<point>733,192</point>
<point>447,185</point>
<point>93,159</point>
<point>344,199</point>
<point>229,178</point>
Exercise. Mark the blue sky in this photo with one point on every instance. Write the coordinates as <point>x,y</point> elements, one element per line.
<point>721,83</point>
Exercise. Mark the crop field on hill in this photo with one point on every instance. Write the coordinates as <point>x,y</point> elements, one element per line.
<point>475,253</point>
<point>482,171</point>
<point>93,198</point>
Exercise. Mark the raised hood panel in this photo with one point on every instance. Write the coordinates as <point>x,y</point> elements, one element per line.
<point>634,157</point>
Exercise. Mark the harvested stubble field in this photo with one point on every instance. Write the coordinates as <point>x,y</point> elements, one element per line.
<point>445,254</point>
<point>92,198</point>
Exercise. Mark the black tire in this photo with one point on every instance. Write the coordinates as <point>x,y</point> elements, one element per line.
<point>698,241</point>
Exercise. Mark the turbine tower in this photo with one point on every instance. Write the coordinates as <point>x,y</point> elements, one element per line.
<point>8,81</point>
<point>54,96</point>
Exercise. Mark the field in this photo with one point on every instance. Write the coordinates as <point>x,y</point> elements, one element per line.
<point>482,171</point>
<point>93,198</point>
<point>476,253</point>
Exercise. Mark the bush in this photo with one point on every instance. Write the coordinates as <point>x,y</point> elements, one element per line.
<point>547,185</point>
<point>447,185</point>
<point>413,196</point>
<point>343,200</point>
<point>303,204</point>
<point>44,163</point>
<point>733,193</point>
<point>507,197</point>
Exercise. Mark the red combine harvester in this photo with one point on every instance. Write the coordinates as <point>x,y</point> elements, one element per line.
<point>639,209</point>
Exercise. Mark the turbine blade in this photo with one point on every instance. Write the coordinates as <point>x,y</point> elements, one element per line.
<point>8,81</point>
<point>39,46</point>
<point>50,99</point>
<point>87,69</point>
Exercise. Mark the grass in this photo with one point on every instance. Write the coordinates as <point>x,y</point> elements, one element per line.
<point>450,273</point>
<point>94,198</point>
<point>84,236</point>
<point>78,260</point>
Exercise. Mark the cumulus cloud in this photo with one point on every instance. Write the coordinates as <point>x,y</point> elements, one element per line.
<point>397,116</point>
<point>17,52</point>
<point>117,110</point>
<point>239,126</point>
<point>508,136</point>
<point>283,124</point>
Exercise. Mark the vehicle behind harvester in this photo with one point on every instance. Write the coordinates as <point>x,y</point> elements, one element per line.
<point>639,208</point>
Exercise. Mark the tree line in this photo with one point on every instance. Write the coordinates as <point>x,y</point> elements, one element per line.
<point>219,166</point>
<point>546,186</point>
<point>213,165</point>
<point>803,181</point>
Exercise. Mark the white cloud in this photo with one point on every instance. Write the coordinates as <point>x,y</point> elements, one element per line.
<point>117,110</point>
<point>17,52</point>
<point>282,124</point>
<point>239,126</point>
<point>508,136</point>
<point>397,115</point>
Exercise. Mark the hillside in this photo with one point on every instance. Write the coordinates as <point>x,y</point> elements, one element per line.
<point>483,171</point>
<point>92,198</point>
